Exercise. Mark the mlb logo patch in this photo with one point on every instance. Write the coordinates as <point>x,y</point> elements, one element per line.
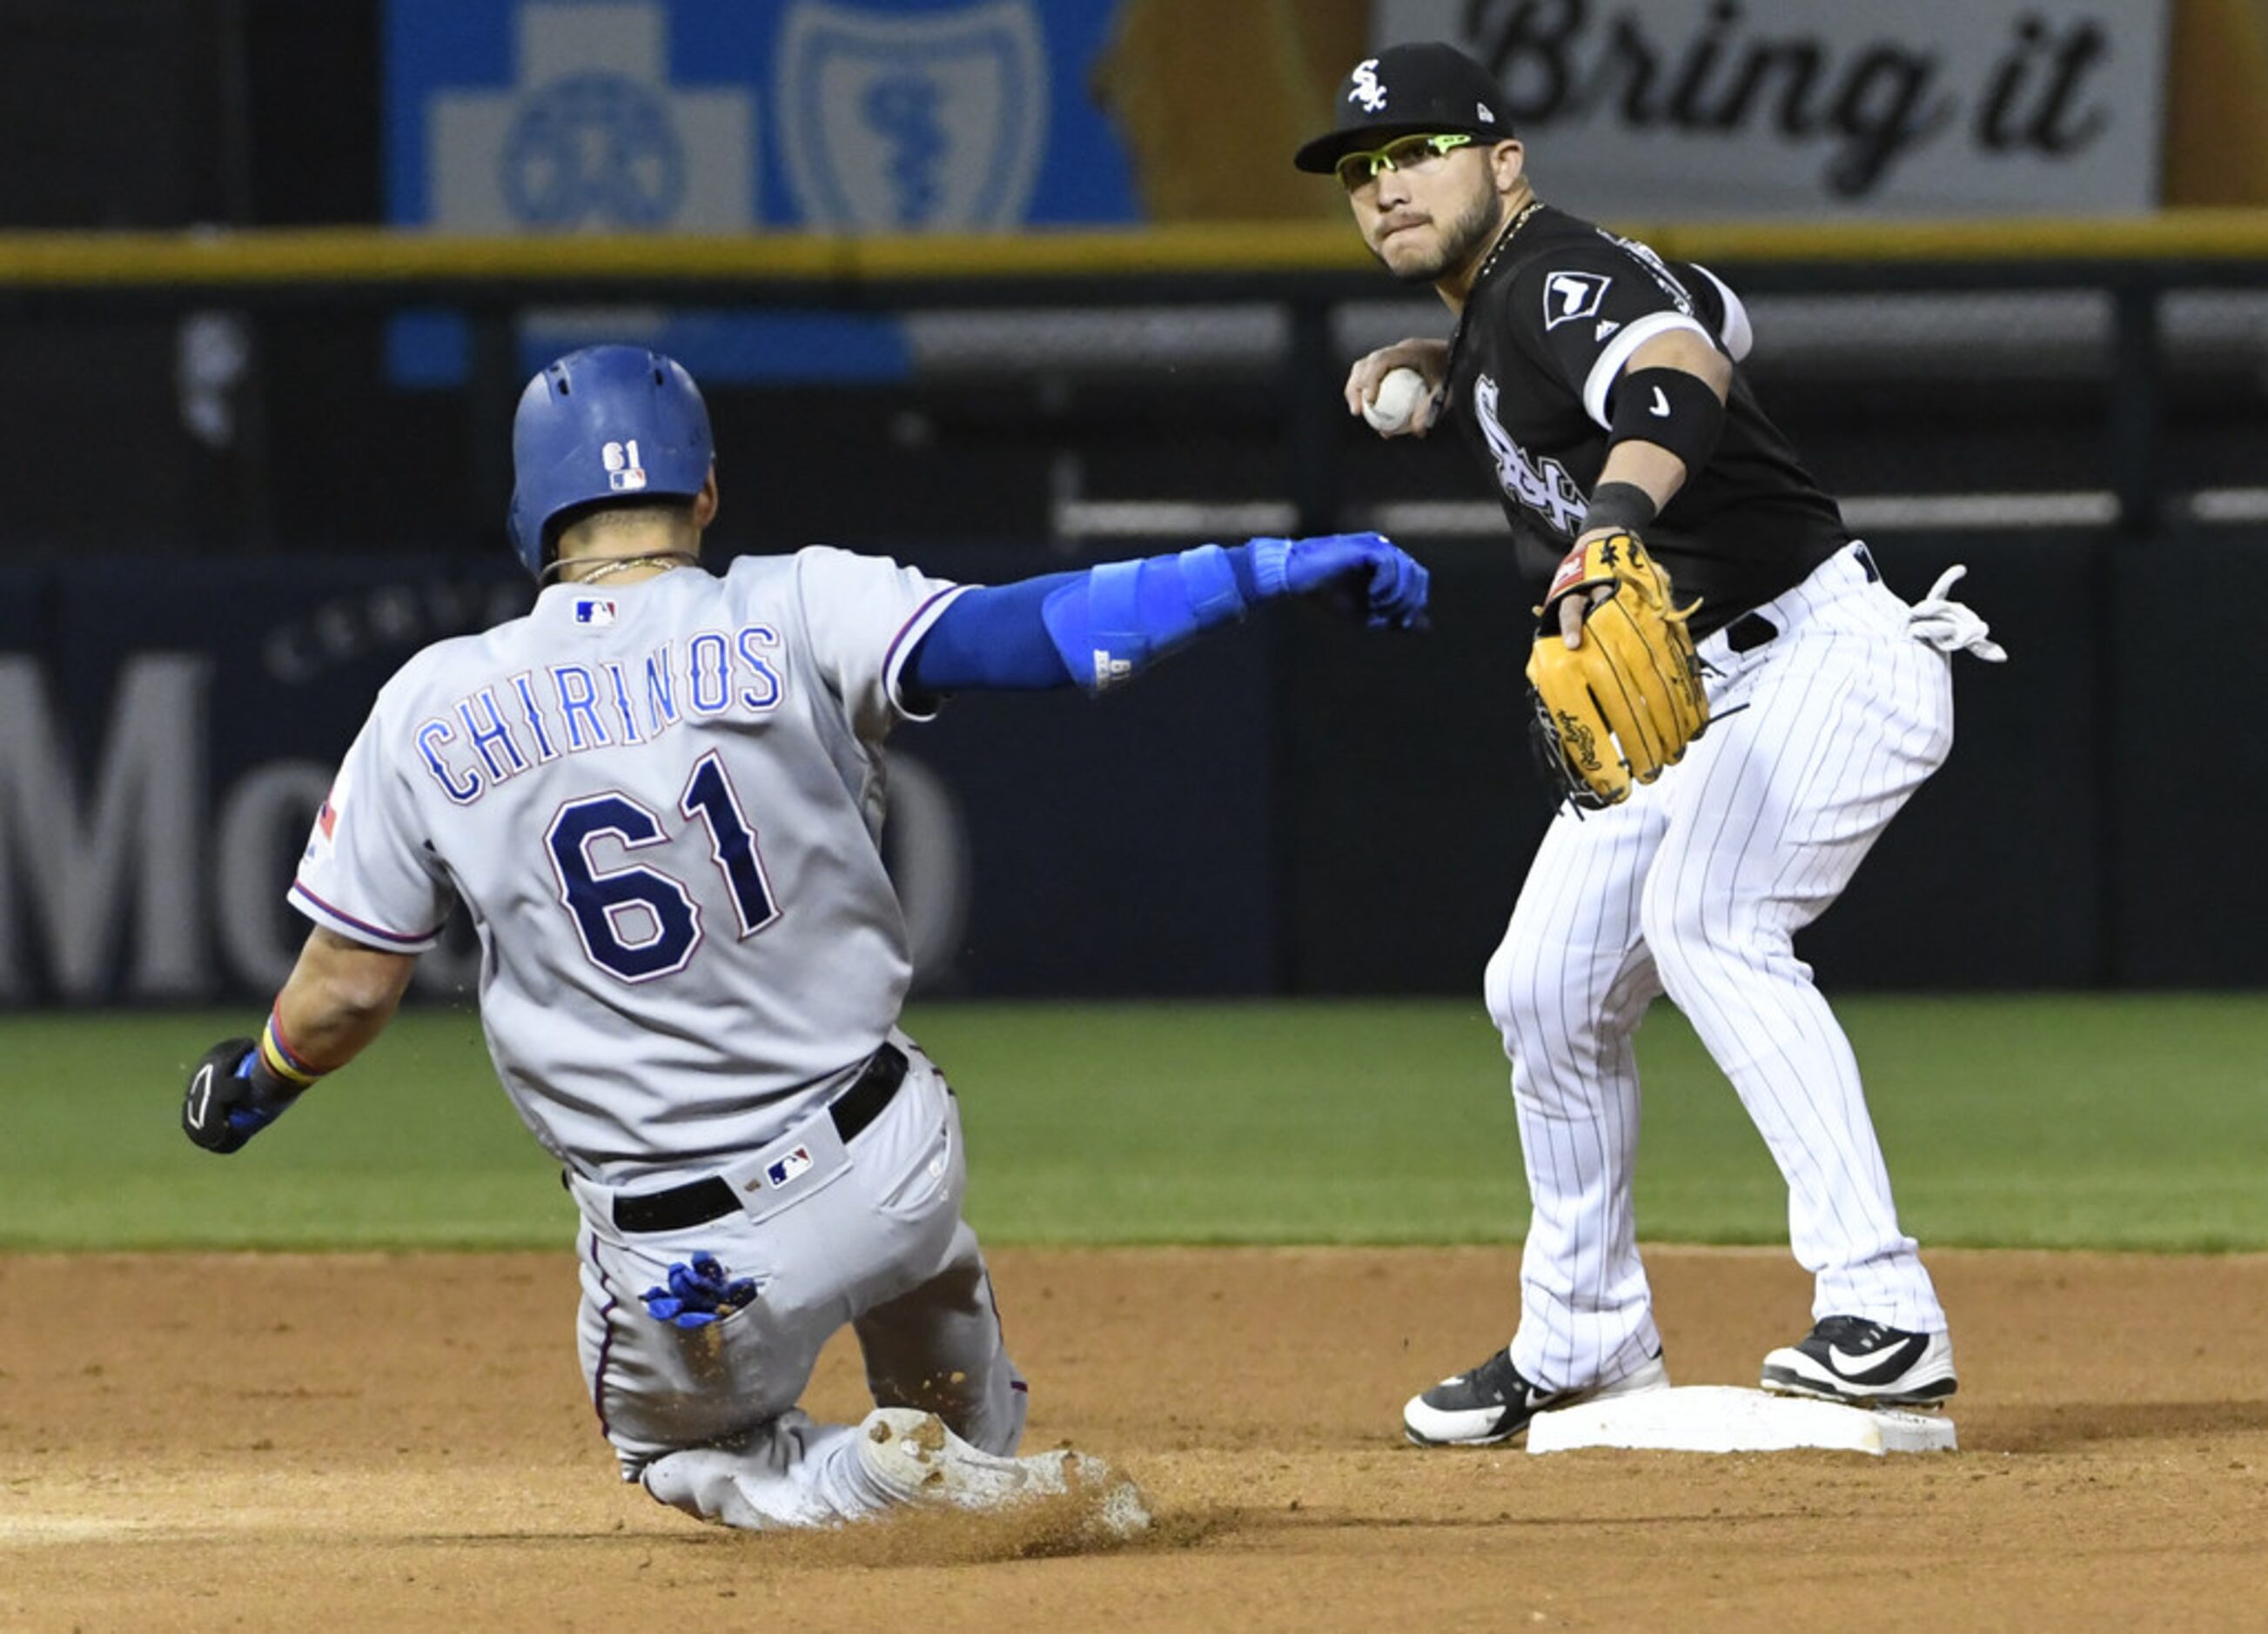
<point>625,474</point>
<point>784,1168</point>
<point>327,820</point>
<point>594,611</point>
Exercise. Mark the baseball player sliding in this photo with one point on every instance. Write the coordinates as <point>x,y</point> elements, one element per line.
<point>1702,602</point>
<point>660,796</point>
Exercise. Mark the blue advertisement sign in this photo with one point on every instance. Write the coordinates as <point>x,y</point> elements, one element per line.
<point>855,116</point>
<point>158,776</point>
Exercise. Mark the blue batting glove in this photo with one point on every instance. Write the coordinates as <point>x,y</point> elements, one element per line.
<point>698,1293</point>
<point>662,1308</point>
<point>1391,583</point>
<point>1397,591</point>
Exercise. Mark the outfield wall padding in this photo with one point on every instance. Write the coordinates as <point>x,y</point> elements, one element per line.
<point>1295,806</point>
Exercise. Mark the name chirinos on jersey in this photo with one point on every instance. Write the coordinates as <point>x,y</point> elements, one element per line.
<point>498,730</point>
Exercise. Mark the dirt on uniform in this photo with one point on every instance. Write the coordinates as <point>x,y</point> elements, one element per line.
<point>351,1441</point>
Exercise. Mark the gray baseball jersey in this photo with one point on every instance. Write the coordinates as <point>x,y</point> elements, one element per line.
<point>669,795</point>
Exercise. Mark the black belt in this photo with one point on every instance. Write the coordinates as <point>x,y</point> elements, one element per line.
<point>705,1200</point>
<point>1749,631</point>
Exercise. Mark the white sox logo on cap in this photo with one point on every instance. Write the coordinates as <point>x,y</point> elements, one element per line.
<point>1366,89</point>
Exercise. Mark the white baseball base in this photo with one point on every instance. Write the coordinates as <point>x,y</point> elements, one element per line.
<point>1720,1418</point>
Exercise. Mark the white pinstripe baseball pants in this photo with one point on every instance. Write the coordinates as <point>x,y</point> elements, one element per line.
<point>1696,887</point>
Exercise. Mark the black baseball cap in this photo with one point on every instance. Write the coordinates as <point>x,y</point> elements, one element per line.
<point>1406,90</point>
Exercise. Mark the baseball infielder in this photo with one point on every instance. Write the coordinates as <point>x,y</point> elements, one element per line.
<point>1600,384</point>
<point>660,796</point>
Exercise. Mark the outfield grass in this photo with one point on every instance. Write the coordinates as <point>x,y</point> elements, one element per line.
<point>2105,1122</point>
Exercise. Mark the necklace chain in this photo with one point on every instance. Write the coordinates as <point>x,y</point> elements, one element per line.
<point>1512,230</point>
<point>668,561</point>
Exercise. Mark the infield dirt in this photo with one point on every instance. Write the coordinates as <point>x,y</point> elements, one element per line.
<point>349,1441</point>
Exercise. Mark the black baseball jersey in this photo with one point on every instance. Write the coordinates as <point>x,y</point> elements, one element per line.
<point>1554,316</point>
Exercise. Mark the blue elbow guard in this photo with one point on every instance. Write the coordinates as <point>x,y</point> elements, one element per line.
<point>1118,618</point>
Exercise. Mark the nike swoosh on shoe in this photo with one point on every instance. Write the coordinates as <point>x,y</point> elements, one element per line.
<point>1875,1367</point>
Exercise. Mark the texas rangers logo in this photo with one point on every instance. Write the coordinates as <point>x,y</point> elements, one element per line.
<point>1568,296</point>
<point>912,122</point>
<point>784,1168</point>
<point>1367,91</point>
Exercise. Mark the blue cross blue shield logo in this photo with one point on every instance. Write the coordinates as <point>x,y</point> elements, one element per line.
<point>912,122</point>
<point>591,133</point>
<point>597,146</point>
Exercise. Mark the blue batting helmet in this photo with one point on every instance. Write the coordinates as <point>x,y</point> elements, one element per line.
<point>605,423</point>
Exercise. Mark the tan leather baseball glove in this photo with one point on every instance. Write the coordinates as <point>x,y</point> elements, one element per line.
<point>1621,707</point>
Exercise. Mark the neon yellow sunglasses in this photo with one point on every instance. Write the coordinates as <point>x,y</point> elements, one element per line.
<point>1356,170</point>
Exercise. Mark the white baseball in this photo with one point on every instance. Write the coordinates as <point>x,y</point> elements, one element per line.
<point>1390,407</point>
